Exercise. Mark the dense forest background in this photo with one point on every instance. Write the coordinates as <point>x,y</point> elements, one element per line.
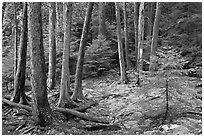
<point>178,48</point>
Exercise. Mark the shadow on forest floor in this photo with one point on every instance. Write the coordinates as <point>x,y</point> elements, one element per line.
<point>129,108</point>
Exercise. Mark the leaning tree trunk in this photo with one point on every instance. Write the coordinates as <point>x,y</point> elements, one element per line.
<point>65,77</point>
<point>19,84</point>
<point>136,17</point>
<point>123,75</point>
<point>140,40</point>
<point>127,59</point>
<point>52,45</point>
<point>78,78</point>
<point>41,107</point>
<point>155,37</point>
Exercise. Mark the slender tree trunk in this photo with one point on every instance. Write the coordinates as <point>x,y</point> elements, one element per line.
<point>140,40</point>
<point>155,36</point>
<point>102,25</point>
<point>19,84</point>
<point>136,17</point>
<point>15,39</point>
<point>120,47</point>
<point>78,76</point>
<point>65,77</point>
<point>126,37</point>
<point>52,46</point>
<point>41,108</point>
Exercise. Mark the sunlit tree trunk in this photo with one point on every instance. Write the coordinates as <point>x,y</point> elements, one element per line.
<point>136,17</point>
<point>41,108</point>
<point>123,75</point>
<point>52,45</point>
<point>78,76</point>
<point>155,36</point>
<point>140,40</point>
<point>19,84</point>
<point>127,59</point>
<point>65,77</point>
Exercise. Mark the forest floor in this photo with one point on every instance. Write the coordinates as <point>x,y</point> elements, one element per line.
<point>130,109</point>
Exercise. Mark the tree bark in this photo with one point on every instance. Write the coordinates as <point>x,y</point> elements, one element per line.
<point>52,45</point>
<point>155,37</point>
<point>126,37</point>
<point>15,39</point>
<point>140,40</point>
<point>19,81</point>
<point>65,77</point>
<point>41,108</point>
<point>120,47</point>
<point>78,76</point>
<point>136,17</point>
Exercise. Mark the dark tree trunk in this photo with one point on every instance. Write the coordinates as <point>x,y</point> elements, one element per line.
<point>41,107</point>
<point>19,84</point>
<point>152,66</point>
<point>136,17</point>
<point>127,59</point>
<point>52,46</point>
<point>120,47</point>
<point>78,78</point>
<point>65,77</point>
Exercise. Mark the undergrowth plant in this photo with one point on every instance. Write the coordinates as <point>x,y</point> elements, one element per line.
<point>170,66</point>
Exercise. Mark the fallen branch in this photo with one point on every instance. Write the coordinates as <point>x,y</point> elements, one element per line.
<point>62,110</point>
<point>81,115</point>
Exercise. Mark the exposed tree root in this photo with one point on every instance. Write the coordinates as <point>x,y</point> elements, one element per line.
<point>85,107</point>
<point>63,110</point>
<point>17,105</point>
<point>81,115</point>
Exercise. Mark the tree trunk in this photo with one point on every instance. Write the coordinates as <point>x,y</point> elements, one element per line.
<point>41,107</point>
<point>52,45</point>
<point>126,37</point>
<point>15,39</point>
<point>65,77</point>
<point>19,84</point>
<point>3,10</point>
<point>102,25</point>
<point>120,47</point>
<point>78,76</point>
<point>140,40</point>
<point>150,19</point>
<point>155,37</point>
<point>136,17</point>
